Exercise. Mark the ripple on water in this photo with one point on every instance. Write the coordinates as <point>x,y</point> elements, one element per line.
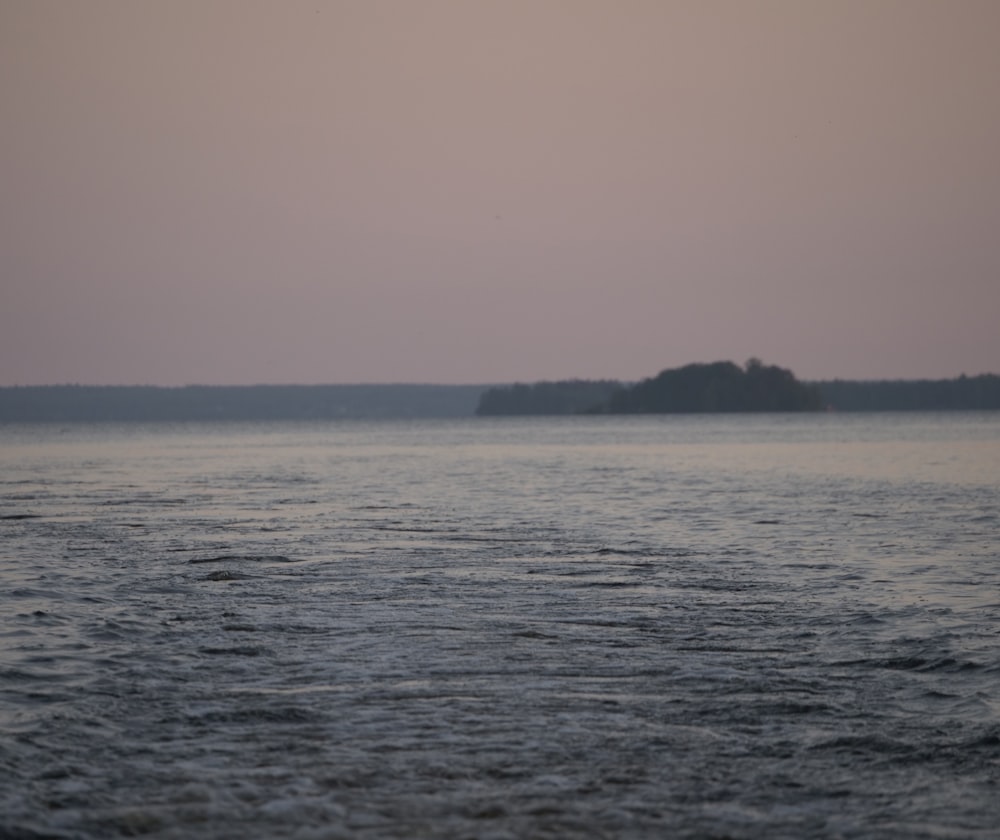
<point>288,636</point>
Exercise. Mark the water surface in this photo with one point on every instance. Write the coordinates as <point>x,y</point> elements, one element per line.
<point>740,626</point>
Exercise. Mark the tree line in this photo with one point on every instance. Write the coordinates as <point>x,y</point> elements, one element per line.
<point>969,393</point>
<point>718,386</point>
<point>726,387</point>
<point>571,396</point>
<point>699,387</point>
<point>715,387</point>
<point>128,403</point>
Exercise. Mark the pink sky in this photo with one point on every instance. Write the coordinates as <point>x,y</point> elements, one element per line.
<point>476,191</point>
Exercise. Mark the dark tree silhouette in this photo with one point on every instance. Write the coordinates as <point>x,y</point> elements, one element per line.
<point>715,387</point>
<point>572,396</point>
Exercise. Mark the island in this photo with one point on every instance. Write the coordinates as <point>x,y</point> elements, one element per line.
<point>693,388</point>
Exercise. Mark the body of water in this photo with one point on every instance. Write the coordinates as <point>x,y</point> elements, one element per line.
<point>765,626</point>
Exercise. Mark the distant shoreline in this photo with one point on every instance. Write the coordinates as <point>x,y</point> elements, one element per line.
<point>195,403</point>
<point>724,387</point>
<point>135,403</point>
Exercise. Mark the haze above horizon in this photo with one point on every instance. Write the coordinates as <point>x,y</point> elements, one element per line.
<point>229,192</point>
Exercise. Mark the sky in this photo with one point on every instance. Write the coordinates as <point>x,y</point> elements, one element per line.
<point>489,191</point>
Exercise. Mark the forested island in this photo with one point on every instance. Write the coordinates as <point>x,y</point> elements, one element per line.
<point>726,387</point>
<point>694,388</point>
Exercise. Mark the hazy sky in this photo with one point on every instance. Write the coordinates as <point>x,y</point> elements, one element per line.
<point>495,190</point>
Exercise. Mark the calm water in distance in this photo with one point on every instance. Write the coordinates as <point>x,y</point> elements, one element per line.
<point>752,626</point>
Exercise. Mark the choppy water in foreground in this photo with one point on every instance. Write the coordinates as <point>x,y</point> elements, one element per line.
<point>742,627</point>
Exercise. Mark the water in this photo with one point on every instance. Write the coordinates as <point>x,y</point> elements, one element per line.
<point>712,627</point>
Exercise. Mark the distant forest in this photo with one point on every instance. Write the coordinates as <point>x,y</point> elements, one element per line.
<point>725,387</point>
<point>571,396</point>
<point>125,403</point>
<point>967,393</point>
<point>720,386</point>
